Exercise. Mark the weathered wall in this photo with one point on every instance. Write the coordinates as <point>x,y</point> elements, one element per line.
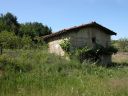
<point>54,47</point>
<point>106,59</point>
<point>79,38</point>
<point>84,37</point>
<point>101,37</point>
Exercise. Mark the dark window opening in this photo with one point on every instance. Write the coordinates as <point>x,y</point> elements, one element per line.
<point>93,39</point>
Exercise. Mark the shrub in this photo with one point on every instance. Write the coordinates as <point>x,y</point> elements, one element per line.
<point>38,43</point>
<point>110,50</point>
<point>94,53</point>
<point>26,41</point>
<point>65,45</point>
<point>10,41</point>
<point>121,44</point>
<point>86,52</point>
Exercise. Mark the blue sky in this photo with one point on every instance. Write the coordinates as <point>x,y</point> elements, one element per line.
<point>59,14</point>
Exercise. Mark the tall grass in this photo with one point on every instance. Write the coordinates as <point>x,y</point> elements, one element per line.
<point>35,72</point>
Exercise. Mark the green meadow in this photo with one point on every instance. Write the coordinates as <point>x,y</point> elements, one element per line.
<point>35,72</point>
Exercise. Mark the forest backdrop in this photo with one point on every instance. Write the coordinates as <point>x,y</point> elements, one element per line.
<point>16,35</point>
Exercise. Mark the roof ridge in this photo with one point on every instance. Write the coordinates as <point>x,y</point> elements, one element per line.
<point>93,24</point>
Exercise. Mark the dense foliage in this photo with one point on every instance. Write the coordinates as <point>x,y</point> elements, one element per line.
<point>65,45</point>
<point>16,35</point>
<point>10,40</point>
<point>34,29</point>
<point>94,54</point>
<point>87,53</point>
<point>8,22</point>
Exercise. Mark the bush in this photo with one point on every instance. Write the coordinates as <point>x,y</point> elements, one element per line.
<point>94,53</point>
<point>121,44</point>
<point>10,41</point>
<point>65,45</point>
<point>26,41</point>
<point>86,52</point>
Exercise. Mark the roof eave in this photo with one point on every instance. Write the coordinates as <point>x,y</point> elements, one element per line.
<point>94,24</point>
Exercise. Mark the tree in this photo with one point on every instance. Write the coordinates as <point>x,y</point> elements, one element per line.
<point>8,39</point>
<point>123,44</point>
<point>21,34</point>
<point>34,29</point>
<point>11,41</point>
<point>25,42</point>
<point>8,22</point>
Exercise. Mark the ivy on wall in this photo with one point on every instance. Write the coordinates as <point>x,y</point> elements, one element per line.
<point>65,45</point>
<point>86,52</point>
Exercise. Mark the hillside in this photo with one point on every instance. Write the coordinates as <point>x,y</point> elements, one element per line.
<point>35,72</point>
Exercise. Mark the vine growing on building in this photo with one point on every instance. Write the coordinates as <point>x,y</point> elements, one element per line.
<point>86,52</point>
<point>65,45</point>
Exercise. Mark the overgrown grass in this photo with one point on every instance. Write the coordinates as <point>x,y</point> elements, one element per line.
<point>38,73</point>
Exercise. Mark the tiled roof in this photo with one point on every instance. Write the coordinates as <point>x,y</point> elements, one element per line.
<point>92,24</point>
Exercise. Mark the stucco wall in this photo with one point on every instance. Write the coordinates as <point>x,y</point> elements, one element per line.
<point>79,38</point>
<point>106,60</point>
<point>54,47</point>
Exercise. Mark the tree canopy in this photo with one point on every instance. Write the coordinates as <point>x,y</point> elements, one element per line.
<point>10,40</point>
<point>8,22</point>
<point>34,29</point>
<point>16,35</point>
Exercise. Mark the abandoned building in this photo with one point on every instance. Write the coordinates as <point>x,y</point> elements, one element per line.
<point>83,35</point>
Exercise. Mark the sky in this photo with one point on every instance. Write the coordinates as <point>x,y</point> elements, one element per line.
<point>60,14</point>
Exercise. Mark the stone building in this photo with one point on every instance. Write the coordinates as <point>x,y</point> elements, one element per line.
<point>83,35</point>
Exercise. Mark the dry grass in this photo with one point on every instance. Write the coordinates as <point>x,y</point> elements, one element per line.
<point>120,57</point>
<point>119,83</point>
